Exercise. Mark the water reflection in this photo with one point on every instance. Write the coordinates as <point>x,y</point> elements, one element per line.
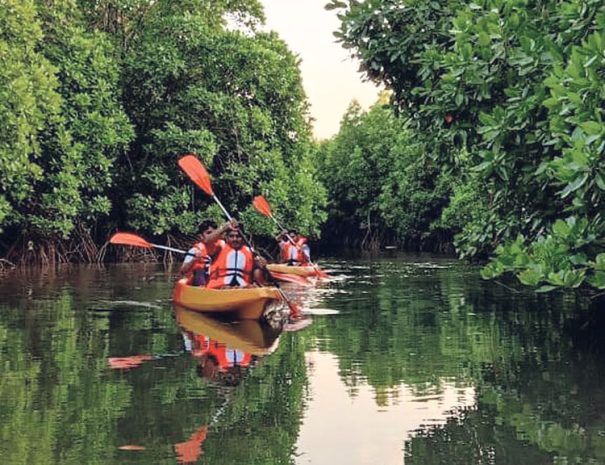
<point>225,350</point>
<point>408,359</point>
<point>424,327</point>
<point>365,425</point>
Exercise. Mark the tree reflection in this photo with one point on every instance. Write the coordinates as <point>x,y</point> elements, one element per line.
<point>539,391</point>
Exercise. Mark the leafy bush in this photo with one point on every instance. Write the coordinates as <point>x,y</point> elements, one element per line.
<point>515,87</point>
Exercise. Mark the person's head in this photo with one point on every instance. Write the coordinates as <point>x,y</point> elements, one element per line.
<point>234,238</point>
<point>207,227</point>
<point>293,233</point>
<point>208,367</point>
<point>231,376</point>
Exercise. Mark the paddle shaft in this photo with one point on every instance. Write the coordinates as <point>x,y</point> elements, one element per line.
<point>229,217</point>
<point>172,249</point>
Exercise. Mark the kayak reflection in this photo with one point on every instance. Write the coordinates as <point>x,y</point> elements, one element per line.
<point>225,350</point>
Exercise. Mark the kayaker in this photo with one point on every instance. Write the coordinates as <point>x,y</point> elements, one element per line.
<point>200,255</point>
<point>236,265</point>
<point>217,361</point>
<point>294,249</point>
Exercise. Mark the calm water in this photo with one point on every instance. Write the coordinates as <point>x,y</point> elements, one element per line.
<point>406,360</point>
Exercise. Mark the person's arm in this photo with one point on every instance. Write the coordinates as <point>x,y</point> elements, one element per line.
<point>218,232</point>
<point>259,271</point>
<point>192,256</point>
<point>306,250</point>
<point>260,262</point>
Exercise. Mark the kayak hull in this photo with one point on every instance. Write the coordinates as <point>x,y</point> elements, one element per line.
<point>243,303</point>
<point>306,271</point>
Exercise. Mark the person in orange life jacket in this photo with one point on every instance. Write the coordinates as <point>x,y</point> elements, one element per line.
<point>236,265</point>
<point>217,361</point>
<point>294,252</point>
<point>202,252</point>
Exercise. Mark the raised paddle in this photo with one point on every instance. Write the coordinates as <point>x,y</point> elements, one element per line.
<point>121,238</point>
<point>262,206</point>
<point>137,241</point>
<point>194,169</point>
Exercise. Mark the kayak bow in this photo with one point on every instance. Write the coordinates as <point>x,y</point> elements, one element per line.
<point>306,271</point>
<point>244,303</point>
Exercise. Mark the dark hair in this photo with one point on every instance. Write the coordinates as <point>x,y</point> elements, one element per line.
<point>234,230</point>
<point>207,224</point>
<point>293,231</point>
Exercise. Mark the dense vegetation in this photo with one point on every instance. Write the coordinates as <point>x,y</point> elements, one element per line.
<point>505,98</point>
<point>490,138</point>
<point>381,188</point>
<point>100,98</point>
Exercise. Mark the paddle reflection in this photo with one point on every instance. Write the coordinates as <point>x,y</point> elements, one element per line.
<point>190,450</point>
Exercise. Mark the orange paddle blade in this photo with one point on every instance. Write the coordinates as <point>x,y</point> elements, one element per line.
<point>129,239</point>
<point>126,363</point>
<point>193,168</point>
<point>262,206</point>
<point>291,278</point>
<point>133,447</point>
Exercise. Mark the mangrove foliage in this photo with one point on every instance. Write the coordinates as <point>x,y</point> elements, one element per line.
<point>99,99</point>
<point>506,99</point>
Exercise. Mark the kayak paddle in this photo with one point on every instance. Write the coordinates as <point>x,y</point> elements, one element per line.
<point>137,241</point>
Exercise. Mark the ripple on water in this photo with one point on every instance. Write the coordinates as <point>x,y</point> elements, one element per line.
<point>132,303</point>
<point>321,311</point>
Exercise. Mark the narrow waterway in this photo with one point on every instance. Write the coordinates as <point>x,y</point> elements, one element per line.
<point>401,359</point>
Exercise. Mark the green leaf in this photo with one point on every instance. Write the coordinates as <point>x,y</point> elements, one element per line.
<point>530,277</point>
<point>546,288</point>
<point>592,127</point>
<point>561,228</point>
<point>575,185</point>
<point>597,280</point>
<point>600,180</point>
<point>579,259</point>
<point>334,4</point>
<point>600,262</point>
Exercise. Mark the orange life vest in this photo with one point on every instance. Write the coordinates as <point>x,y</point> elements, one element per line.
<point>225,356</point>
<point>203,263</point>
<point>292,254</point>
<point>214,248</point>
<point>231,268</point>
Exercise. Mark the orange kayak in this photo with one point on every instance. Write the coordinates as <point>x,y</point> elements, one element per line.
<point>247,303</point>
<point>306,271</point>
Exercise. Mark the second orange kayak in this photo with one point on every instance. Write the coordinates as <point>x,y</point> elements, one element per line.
<point>306,271</point>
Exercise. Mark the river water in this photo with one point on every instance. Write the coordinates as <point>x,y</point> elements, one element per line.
<point>400,359</point>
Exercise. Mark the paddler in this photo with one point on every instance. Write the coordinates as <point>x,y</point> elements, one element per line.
<point>294,248</point>
<point>236,265</point>
<point>201,254</point>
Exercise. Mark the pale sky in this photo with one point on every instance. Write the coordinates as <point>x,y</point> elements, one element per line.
<point>330,77</point>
